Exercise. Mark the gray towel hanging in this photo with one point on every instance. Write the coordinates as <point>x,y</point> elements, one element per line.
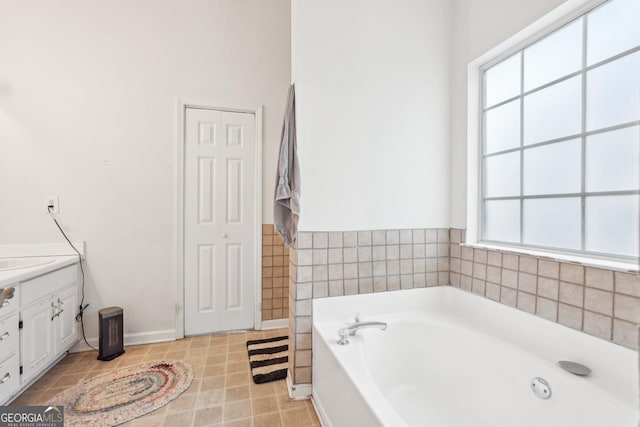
<point>286,209</point>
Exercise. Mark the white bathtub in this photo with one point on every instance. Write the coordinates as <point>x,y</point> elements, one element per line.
<point>450,358</point>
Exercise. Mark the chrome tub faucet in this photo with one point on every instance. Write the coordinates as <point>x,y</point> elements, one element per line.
<point>345,333</point>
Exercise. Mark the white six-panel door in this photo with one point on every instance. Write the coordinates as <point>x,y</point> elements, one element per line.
<point>219,221</point>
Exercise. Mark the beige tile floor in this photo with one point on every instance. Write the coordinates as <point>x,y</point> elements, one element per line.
<point>222,392</point>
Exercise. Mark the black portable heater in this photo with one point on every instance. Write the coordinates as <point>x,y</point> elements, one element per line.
<point>110,341</point>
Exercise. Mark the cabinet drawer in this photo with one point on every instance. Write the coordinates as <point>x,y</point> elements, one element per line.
<point>9,334</point>
<point>11,305</point>
<point>34,289</point>
<point>9,378</point>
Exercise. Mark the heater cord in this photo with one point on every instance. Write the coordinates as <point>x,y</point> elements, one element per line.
<point>83,307</point>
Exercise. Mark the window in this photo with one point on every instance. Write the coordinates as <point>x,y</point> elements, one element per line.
<point>560,151</point>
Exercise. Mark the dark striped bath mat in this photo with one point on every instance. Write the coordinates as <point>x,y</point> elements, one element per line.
<point>268,359</point>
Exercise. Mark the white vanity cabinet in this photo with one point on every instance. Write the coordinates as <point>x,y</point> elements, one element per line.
<point>38,320</point>
<point>49,304</point>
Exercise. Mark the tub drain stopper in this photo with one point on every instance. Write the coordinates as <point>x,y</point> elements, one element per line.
<point>574,368</point>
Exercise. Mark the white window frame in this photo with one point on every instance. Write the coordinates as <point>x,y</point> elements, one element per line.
<point>546,25</point>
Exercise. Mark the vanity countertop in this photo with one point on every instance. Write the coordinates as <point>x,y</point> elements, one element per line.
<point>8,277</point>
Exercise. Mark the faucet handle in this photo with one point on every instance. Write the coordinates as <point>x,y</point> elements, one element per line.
<point>358,318</point>
<point>343,334</point>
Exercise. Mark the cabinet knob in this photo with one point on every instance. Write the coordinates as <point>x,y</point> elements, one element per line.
<point>6,294</point>
<point>4,336</point>
<point>5,378</point>
<point>6,303</point>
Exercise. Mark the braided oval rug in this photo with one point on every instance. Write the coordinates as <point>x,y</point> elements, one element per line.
<point>117,397</point>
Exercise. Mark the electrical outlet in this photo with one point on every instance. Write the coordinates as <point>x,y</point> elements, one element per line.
<point>52,200</point>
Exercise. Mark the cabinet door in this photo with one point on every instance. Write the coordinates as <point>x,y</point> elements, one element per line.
<point>65,322</point>
<point>36,346</point>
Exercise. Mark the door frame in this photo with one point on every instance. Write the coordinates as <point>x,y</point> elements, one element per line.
<point>182,105</point>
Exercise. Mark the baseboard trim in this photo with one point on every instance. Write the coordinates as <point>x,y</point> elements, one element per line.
<point>298,391</point>
<point>275,324</point>
<point>130,339</point>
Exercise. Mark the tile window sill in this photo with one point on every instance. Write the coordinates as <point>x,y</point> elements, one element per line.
<point>587,262</point>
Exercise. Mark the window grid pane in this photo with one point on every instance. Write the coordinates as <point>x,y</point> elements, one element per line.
<point>554,56</point>
<point>612,160</point>
<point>613,92</point>
<point>602,41</point>
<point>533,208</point>
<point>553,168</point>
<point>502,81</point>
<point>543,109</point>
<point>606,236</point>
<point>503,222</point>
<point>552,222</point>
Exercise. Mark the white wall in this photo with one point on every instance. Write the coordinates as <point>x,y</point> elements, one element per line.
<point>478,26</point>
<point>82,83</point>
<point>372,81</point>
<point>381,118</point>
